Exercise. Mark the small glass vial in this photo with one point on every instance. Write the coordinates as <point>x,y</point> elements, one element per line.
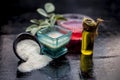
<point>89,33</point>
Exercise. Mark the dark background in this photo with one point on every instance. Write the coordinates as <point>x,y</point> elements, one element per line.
<point>14,12</point>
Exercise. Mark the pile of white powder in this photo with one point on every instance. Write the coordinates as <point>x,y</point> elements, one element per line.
<point>29,51</point>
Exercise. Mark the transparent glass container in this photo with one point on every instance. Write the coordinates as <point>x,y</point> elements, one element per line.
<point>73,23</point>
<point>54,40</point>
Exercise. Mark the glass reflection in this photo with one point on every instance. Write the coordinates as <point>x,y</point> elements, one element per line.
<point>58,68</point>
<point>86,67</point>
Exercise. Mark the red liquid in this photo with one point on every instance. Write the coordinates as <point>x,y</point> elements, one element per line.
<point>76,36</point>
<point>75,25</point>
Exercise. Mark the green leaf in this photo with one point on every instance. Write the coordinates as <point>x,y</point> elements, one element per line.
<point>34,21</point>
<point>34,31</point>
<point>46,22</point>
<point>49,7</point>
<point>60,17</point>
<point>52,20</point>
<point>42,12</point>
<point>41,21</point>
<point>31,27</point>
<point>44,26</point>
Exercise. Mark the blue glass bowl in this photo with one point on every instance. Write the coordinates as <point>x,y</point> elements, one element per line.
<point>54,40</point>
